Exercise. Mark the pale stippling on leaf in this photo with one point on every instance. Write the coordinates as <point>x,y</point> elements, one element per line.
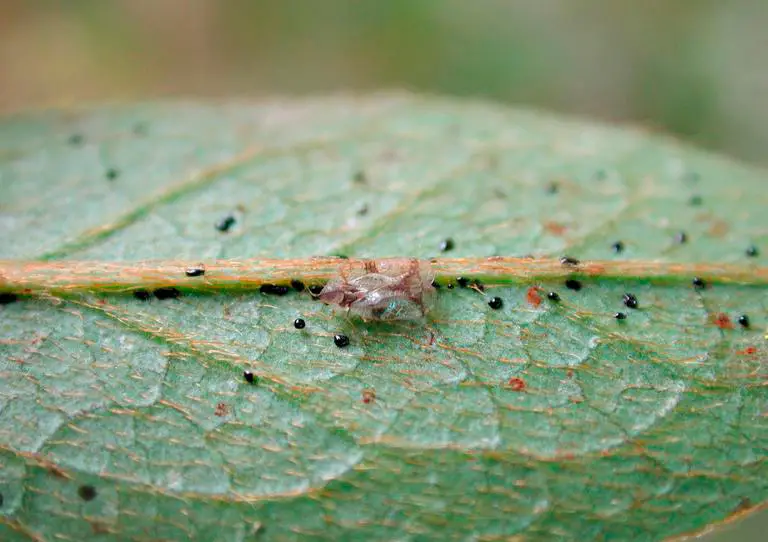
<point>168,372</point>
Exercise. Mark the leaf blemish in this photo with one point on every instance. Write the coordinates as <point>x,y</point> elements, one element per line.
<point>567,260</point>
<point>226,223</point>
<point>752,251</point>
<point>87,492</point>
<point>620,316</point>
<point>681,237</point>
<point>222,409</point>
<point>195,271</point>
<point>630,300</point>
<point>299,323</point>
<point>516,384</point>
<point>340,340</point>
<point>273,289</point>
<point>618,247</point>
<point>446,245</point>
<point>112,174</point>
<point>249,377</point>
<point>6,298</point>
<point>573,284</point>
<point>744,321</point>
<point>142,295</point>
<point>722,321</point>
<point>553,296</point>
<point>495,303</point>
<point>533,297</point>
<point>76,140</point>
<point>166,293</point>
<point>369,395</point>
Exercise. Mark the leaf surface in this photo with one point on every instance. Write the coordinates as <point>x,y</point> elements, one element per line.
<point>553,420</point>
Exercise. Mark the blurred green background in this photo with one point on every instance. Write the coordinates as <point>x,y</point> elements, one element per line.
<point>697,68</point>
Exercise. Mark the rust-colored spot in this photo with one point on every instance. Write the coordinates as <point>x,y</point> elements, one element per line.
<point>748,351</point>
<point>369,395</point>
<point>722,321</point>
<point>222,409</point>
<point>533,297</point>
<point>718,228</point>
<point>555,228</point>
<point>516,384</point>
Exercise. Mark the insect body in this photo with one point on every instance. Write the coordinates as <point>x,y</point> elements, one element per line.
<point>388,289</point>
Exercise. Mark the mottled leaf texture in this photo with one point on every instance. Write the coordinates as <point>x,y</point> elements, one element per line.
<point>130,419</point>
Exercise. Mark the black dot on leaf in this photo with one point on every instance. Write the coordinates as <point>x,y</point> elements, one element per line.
<point>226,223</point>
<point>630,300</point>
<point>195,271</point>
<point>552,188</point>
<point>341,340</point>
<point>166,293</point>
<point>6,298</point>
<point>744,320</point>
<point>618,247</point>
<point>462,281</point>
<point>553,296</point>
<point>297,285</point>
<point>87,492</point>
<point>315,289</point>
<point>620,316</point>
<point>752,251</point>
<point>435,284</point>
<point>573,284</point>
<point>141,295</point>
<point>112,174</point>
<point>249,377</point>
<point>299,323</point>
<point>567,260</point>
<point>446,245</point>
<point>450,286</point>
<point>698,283</point>
<point>495,303</point>
<point>681,237</point>
<point>273,289</point>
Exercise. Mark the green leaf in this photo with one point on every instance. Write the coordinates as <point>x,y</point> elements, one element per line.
<point>549,421</point>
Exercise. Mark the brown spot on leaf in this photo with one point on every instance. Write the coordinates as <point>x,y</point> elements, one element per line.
<point>516,384</point>
<point>222,409</point>
<point>722,321</point>
<point>555,228</point>
<point>369,395</point>
<point>748,351</point>
<point>533,297</point>
<point>718,228</point>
